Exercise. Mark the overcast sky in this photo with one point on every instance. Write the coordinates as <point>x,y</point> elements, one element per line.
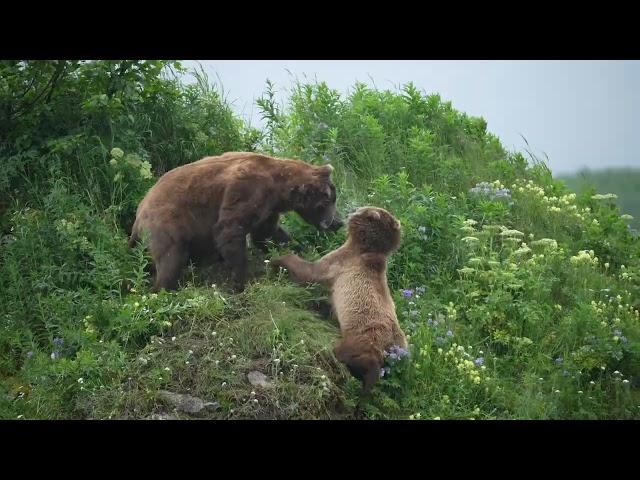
<point>580,113</point>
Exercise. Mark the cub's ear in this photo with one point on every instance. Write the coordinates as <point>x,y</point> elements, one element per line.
<point>324,171</point>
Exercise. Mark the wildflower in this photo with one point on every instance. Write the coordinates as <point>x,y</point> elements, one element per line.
<point>440,351</point>
<point>565,373</point>
<point>55,355</point>
<point>422,229</point>
<point>29,354</point>
<point>559,360</point>
<point>407,293</point>
<point>606,196</point>
<point>276,360</point>
<point>224,384</point>
<point>113,162</point>
<point>421,289</point>
<point>117,153</point>
<point>479,361</point>
<point>470,240</point>
<point>167,369</point>
<point>625,381</point>
<point>449,333</point>
<point>145,170</point>
<point>466,270</point>
<point>592,382</point>
<point>580,392</point>
<point>173,339</point>
<point>233,357</point>
<point>511,233</point>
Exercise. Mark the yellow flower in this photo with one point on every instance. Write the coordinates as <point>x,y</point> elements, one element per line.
<point>117,153</point>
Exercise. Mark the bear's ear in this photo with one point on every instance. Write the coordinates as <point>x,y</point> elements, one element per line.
<point>324,171</point>
<point>372,213</point>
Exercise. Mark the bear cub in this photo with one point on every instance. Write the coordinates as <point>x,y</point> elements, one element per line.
<point>360,296</point>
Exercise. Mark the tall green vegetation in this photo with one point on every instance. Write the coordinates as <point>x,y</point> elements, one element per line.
<point>520,297</point>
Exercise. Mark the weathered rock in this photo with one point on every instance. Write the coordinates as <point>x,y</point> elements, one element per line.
<point>163,416</point>
<point>258,379</point>
<point>187,403</point>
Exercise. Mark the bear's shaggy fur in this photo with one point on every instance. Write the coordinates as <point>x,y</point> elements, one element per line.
<point>356,274</point>
<point>209,206</point>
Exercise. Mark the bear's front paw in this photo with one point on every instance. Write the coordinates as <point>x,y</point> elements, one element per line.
<point>280,261</point>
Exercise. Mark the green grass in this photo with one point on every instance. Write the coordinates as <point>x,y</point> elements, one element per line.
<point>523,306</point>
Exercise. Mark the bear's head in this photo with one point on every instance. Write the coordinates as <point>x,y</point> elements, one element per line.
<point>314,199</point>
<point>374,230</point>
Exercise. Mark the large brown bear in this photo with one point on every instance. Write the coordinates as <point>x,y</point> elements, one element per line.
<point>212,204</point>
<point>356,274</point>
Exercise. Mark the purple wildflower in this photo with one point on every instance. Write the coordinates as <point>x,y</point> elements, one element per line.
<point>393,356</point>
<point>449,333</point>
<point>407,293</point>
<point>58,342</point>
<point>402,352</point>
<point>623,339</point>
<point>479,361</point>
<point>413,313</point>
<point>617,333</point>
<point>429,322</point>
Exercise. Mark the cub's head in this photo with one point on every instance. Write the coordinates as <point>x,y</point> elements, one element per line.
<point>314,199</point>
<point>374,230</point>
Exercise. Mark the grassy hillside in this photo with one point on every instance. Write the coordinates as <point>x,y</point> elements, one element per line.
<point>520,298</point>
<point>623,182</point>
